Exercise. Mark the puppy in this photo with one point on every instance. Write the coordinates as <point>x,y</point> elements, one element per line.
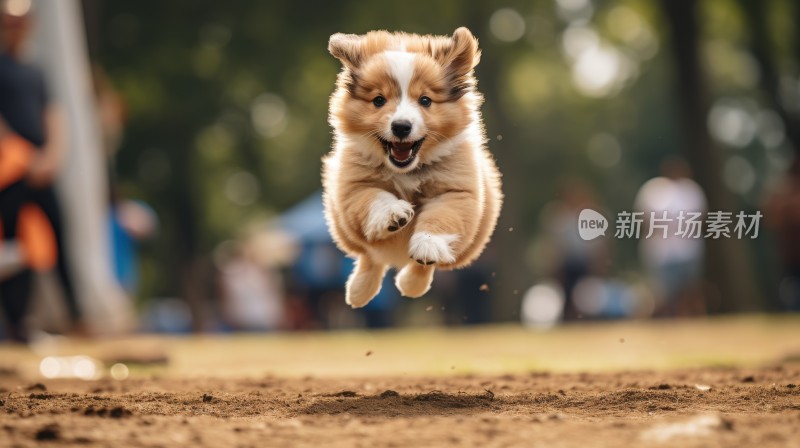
<point>409,183</point>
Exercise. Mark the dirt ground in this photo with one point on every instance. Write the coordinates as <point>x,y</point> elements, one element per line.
<point>700,407</point>
<point>731,382</point>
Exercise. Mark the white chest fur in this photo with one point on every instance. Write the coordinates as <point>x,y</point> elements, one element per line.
<point>406,184</point>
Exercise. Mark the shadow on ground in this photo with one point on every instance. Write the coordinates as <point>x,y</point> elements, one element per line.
<point>392,404</point>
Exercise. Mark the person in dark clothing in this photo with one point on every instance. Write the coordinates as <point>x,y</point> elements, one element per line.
<point>27,112</point>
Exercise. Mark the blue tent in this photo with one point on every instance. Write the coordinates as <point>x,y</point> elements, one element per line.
<point>306,220</point>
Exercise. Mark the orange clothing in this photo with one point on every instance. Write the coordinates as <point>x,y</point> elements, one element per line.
<point>35,234</point>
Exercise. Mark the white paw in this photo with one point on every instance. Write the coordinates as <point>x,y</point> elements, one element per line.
<point>414,281</point>
<point>362,286</point>
<point>429,248</point>
<point>387,215</point>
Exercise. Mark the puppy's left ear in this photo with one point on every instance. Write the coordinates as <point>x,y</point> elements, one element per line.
<point>459,55</point>
<point>346,48</point>
<point>464,52</point>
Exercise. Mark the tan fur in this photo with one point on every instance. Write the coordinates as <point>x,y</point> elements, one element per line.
<point>452,194</point>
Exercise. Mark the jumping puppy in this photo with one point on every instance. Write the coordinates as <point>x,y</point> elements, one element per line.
<point>409,183</point>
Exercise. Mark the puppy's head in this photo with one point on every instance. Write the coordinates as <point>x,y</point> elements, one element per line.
<point>401,96</point>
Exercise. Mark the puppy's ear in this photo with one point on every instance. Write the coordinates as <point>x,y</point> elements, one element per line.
<point>464,53</point>
<point>459,55</point>
<point>346,48</point>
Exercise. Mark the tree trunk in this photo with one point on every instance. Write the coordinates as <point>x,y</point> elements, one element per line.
<point>728,269</point>
<point>769,80</point>
<point>60,49</point>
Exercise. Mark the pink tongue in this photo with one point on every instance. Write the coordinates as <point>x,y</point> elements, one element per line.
<point>401,155</point>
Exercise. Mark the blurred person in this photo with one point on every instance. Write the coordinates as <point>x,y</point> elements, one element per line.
<point>316,276</point>
<point>577,259</point>
<point>130,222</point>
<point>465,294</point>
<point>674,263</point>
<point>32,132</point>
<point>111,111</point>
<point>782,215</point>
<point>252,294</point>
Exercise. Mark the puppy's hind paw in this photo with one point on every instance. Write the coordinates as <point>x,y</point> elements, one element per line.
<point>430,248</point>
<point>364,283</point>
<point>413,280</point>
<point>387,215</point>
<point>359,297</point>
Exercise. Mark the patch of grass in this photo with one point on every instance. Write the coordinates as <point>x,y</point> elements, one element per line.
<point>495,349</point>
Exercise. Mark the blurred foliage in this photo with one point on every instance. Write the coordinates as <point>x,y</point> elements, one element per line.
<point>227,105</point>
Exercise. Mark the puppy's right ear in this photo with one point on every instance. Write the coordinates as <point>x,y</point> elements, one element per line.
<point>346,48</point>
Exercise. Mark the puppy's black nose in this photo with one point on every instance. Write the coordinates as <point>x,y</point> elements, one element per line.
<point>401,128</point>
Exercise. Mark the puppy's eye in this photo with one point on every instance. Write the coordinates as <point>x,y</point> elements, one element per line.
<point>424,101</point>
<point>379,101</point>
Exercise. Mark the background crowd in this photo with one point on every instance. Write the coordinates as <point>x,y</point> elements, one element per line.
<point>159,166</point>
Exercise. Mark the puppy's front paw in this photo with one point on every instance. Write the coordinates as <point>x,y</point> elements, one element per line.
<point>386,216</point>
<point>429,248</point>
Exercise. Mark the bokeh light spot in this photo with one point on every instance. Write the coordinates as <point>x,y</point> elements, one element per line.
<point>242,188</point>
<point>604,150</point>
<point>731,124</point>
<point>50,367</point>
<point>119,371</point>
<point>507,25</point>
<point>739,175</point>
<point>269,116</point>
<point>17,7</point>
<point>542,305</point>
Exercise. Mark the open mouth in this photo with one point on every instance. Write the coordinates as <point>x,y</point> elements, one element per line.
<point>402,153</point>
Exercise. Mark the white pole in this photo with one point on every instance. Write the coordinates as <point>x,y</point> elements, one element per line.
<point>59,48</point>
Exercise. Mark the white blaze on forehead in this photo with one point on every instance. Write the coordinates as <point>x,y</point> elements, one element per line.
<point>401,66</point>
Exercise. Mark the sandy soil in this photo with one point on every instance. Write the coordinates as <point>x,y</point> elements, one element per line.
<point>743,407</point>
